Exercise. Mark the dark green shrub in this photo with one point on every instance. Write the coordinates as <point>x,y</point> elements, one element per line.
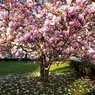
<point>83,68</point>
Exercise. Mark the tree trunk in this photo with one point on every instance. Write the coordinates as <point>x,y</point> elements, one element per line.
<point>41,71</point>
<point>44,70</point>
<point>44,73</point>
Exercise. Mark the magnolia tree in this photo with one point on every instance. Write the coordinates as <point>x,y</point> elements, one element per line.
<point>50,31</point>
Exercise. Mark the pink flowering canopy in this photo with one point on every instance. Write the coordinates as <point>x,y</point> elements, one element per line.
<point>56,29</point>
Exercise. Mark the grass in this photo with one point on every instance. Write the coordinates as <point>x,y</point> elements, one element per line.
<point>13,67</point>
<point>17,67</point>
<point>58,69</point>
<point>23,79</point>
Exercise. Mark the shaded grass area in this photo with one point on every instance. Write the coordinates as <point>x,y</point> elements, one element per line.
<point>13,67</point>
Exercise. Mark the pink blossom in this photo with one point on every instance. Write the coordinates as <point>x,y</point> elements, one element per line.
<point>2,29</point>
<point>58,19</point>
<point>1,23</point>
<point>3,14</point>
<point>75,45</point>
<point>50,16</point>
<point>81,17</point>
<point>67,51</point>
<point>52,41</point>
<point>68,2</point>
<point>53,9</point>
<point>71,23</point>
<point>9,38</point>
<point>17,54</point>
<point>1,41</point>
<point>94,48</point>
<point>91,50</point>
<point>93,56</point>
<point>93,7</point>
<point>82,43</point>
<point>78,1</point>
<point>39,15</point>
<point>71,10</point>
<point>91,39</point>
<point>31,32</point>
<point>47,23</point>
<point>71,49</point>
<point>80,4</point>
<point>11,24</point>
<point>3,36</point>
<point>66,33</point>
<point>21,29</point>
<point>27,36</point>
<point>9,30</point>
<point>42,47</point>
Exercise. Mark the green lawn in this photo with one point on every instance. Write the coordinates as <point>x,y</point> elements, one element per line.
<point>23,79</point>
<point>22,67</point>
<point>17,67</point>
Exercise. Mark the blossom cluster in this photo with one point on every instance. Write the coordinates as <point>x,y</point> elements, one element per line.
<point>57,28</point>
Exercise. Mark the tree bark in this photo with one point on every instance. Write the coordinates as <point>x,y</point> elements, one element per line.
<point>41,71</point>
<point>44,70</point>
<point>44,73</point>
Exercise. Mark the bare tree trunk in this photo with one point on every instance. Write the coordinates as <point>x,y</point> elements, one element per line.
<point>44,73</point>
<point>44,70</point>
<point>41,71</point>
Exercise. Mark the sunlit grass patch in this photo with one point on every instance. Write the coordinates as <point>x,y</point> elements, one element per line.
<point>60,65</point>
<point>61,68</point>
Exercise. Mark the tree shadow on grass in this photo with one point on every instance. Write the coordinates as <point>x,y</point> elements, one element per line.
<point>59,81</point>
<point>58,84</point>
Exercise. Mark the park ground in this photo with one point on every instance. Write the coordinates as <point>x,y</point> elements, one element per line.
<point>20,78</point>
